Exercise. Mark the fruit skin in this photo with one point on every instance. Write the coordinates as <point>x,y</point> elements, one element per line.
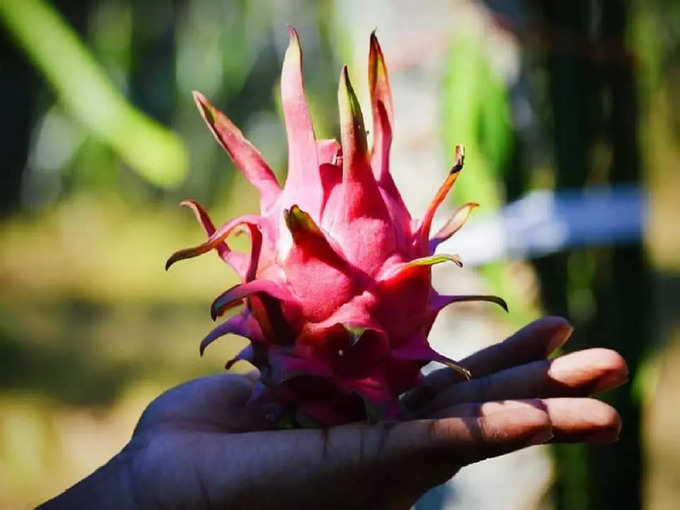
<point>337,285</point>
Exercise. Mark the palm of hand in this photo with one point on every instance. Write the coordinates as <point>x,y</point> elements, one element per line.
<point>199,445</point>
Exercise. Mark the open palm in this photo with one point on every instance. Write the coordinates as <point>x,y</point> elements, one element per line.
<point>199,446</point>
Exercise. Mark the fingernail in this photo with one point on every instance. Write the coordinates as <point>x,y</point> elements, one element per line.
<point>559,336</point>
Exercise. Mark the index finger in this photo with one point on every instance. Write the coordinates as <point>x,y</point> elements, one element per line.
<point>533,342</point>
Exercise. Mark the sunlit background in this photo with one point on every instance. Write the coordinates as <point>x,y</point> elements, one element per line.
<point>570,114</point>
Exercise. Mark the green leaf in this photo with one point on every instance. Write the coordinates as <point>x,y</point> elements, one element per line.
<point>87,93</point>
<point>435,259</point>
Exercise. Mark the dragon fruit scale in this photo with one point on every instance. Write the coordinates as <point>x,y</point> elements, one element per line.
<point>337,285</point>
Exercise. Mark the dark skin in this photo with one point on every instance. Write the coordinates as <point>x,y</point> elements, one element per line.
<point>199,446</point>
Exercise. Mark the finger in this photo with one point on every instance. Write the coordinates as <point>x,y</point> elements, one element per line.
<point>473,432</point>
<point>253,375</point>
<point>571,419</point>
<point>387,465</point>
<point>215,402</point>
<point>416,455</point>
<point>583,420</point>
<point>579,373</point>
<point>533,342</point>
<point>390,463</point>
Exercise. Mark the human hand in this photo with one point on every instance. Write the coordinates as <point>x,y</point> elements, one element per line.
<point>199,446</point>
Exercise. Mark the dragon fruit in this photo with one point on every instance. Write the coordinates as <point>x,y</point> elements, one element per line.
<point>337,285</point>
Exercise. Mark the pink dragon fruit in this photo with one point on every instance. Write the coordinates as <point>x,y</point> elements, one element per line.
<point>337,286</point>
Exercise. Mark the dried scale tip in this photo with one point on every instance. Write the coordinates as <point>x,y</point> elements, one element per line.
<point>459,159</point>
<point>453,224</point>
<point>337,285</point>
<point>460,370</point>
<point>426,224</point>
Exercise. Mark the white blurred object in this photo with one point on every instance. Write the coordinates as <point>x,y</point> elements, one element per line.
<point>544,222</point>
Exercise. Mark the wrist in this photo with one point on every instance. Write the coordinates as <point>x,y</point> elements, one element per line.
<point>110,486</point>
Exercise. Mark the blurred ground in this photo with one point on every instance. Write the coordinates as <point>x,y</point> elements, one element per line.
<point>91,328</point>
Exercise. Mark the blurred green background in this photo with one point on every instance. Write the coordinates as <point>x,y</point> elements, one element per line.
<point>100,140</point>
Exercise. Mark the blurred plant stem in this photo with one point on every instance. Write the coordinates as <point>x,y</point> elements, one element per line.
<point>82,86</point>
<point>594,101</point>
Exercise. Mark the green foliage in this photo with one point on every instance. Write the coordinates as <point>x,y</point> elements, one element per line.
<point>476,114</point>
<point>84,89</point>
